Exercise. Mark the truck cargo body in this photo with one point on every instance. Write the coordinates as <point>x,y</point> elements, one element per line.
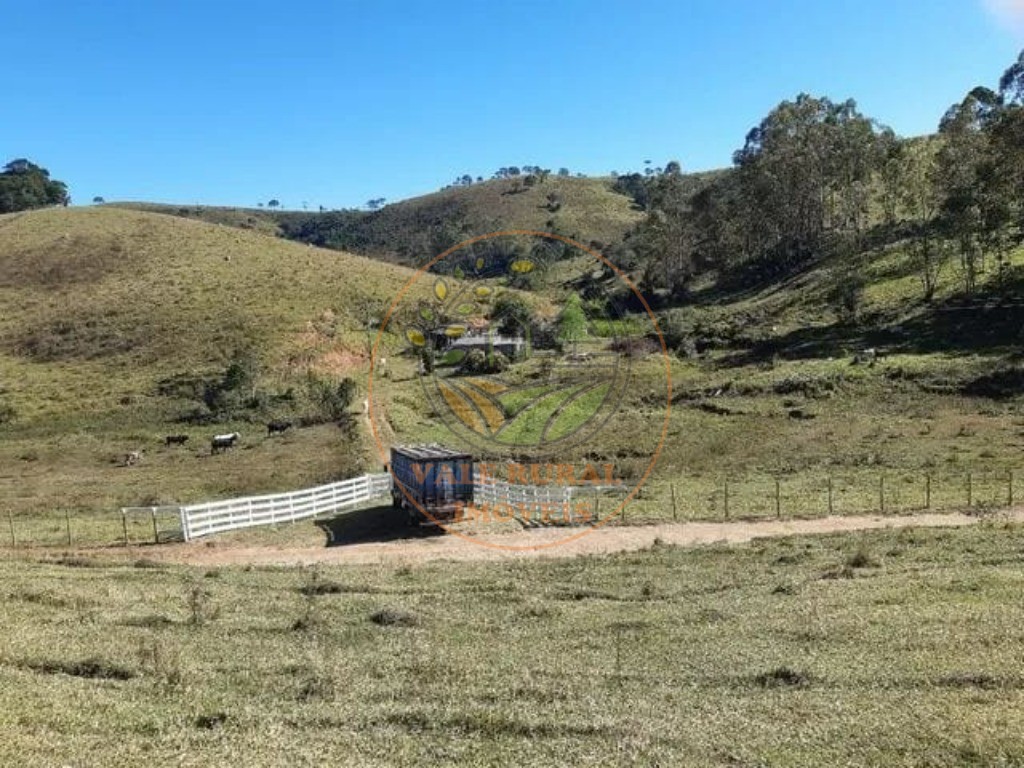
<point>431,482</point>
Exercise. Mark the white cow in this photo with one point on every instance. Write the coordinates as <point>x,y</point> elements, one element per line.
<point>223,442</point>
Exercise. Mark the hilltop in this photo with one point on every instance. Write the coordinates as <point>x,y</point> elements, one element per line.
<point>587,209</point>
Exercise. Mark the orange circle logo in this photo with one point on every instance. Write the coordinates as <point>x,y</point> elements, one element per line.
<point>527,389</point>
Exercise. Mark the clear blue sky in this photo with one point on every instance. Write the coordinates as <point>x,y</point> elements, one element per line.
<point>335,102</point>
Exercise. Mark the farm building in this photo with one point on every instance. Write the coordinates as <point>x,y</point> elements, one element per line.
<point>510,346</point>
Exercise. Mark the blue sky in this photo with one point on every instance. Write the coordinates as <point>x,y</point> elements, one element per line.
<point>332,103</point>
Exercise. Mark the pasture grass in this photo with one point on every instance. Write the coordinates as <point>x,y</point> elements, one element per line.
<point>877,648</point>
<point>187,295</point>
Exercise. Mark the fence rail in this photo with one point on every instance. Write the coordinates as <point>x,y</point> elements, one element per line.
<point>232,514</point>
<point>537,504</point>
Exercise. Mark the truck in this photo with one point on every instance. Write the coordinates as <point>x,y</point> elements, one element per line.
<point>431,482</point>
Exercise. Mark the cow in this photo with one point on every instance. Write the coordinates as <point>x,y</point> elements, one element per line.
<point>223,442</point>
<point>132,457</point>
<point>175,440</point>
<point>276,427</point>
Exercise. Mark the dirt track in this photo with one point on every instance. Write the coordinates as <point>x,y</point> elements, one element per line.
<point>544,542</point>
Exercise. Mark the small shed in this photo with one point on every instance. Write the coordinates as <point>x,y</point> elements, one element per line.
<point>510,346</point>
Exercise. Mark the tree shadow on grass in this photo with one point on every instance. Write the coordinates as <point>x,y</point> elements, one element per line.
<point>374,524</point>
<point>991,326</point>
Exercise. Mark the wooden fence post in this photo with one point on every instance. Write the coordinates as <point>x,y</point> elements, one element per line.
<point>10,519</point>
<point>778,499</point>
<point>881,493</point>
<point>1009,495</point>
<point>124,526</point>
<point>67,525</point>
<point>156,535</point>
<point>597,509</point>
<point>831,505</point>
<point>970,490</point>
<point>726,487</point>
<point>675,510</point>
<point>928,491</point>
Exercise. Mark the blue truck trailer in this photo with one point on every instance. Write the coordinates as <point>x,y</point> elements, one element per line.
<point>431,482</point>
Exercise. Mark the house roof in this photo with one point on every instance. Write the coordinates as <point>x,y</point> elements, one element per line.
<point>474,340</point>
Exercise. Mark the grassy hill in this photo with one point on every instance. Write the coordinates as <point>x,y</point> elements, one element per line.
<point>256,219</point>
<point>586,208</point>
<point>114,319</point>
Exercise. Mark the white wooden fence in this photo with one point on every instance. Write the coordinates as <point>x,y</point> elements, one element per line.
<point>529,504</point>
<point>231,514</point>
<point>538,504</point>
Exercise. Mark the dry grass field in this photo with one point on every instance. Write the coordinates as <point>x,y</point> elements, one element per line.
<point>881,648</point>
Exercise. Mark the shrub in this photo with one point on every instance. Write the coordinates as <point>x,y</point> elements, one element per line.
<point>861,559</point>
<point>316,587</point>
<point>394,617</point>
<point>478,361</point>
<point>330,401</point>
<point>91,668</point>
<point>783,677</point>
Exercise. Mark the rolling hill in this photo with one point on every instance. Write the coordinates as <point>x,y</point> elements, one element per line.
<point>115,320</point>
<point>407,231</point>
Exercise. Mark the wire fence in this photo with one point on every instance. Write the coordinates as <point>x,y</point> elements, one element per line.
<point>758,497</point>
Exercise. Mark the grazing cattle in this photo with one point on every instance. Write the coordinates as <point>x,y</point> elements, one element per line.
<point>175,440</point>
<point>276,427</point>
<point>132,457</point>
<point>223,442</point>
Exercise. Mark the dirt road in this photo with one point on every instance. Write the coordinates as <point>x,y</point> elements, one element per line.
<point>548,542</point>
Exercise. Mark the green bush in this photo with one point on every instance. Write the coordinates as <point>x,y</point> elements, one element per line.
<point>478,361</point>
<point>330,401</point>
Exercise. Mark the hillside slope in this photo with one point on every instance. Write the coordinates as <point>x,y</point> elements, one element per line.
<point>110,316</point>
<point>142,294</point>
<point>411,230</point>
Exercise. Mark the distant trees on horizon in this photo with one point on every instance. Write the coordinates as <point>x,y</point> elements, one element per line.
<point>25,185</point>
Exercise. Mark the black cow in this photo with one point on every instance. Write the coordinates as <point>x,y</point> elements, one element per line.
<point>175,440</point>
<point>276,427</point>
